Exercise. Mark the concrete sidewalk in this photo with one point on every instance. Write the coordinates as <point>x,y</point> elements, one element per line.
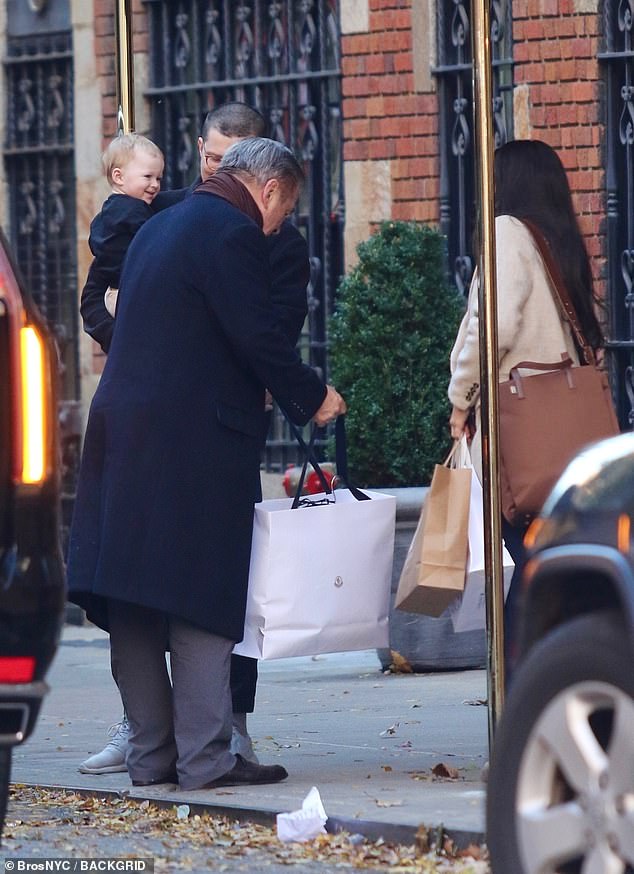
<point>367,740</point>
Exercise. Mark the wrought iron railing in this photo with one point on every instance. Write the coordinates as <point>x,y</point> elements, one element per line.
<point>618,65</point>
<point>455,96</point>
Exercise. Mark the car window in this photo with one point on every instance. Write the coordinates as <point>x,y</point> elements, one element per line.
<point>612,489</point>
<point>599,480</point>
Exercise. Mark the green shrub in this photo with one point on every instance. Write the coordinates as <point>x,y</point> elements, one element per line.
<point>391,335</point>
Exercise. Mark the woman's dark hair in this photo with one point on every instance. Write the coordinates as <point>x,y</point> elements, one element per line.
<point>531,183</point>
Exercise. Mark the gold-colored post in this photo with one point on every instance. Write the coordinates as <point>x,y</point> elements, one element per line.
<point>483,99</point>
<point>124,67</point>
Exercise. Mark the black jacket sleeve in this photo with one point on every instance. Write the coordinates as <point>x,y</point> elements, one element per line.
<point>239,296</point>
<point>105,270</point>
<point>290,274</point>
<point>97,320</point>
<point>111,233</point>
<point>165,199</point>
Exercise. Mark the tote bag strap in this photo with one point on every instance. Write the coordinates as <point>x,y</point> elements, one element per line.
<point>341,458</point>
<point>560,292</point>
<point>309,458</point>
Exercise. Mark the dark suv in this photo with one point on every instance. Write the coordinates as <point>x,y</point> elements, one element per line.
<point>31,569</point>
<point>561,783</point>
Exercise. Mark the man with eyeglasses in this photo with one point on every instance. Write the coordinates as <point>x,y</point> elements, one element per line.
<point>289,274</point>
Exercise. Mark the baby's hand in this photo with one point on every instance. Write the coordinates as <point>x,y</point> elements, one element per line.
<point>110,300</point>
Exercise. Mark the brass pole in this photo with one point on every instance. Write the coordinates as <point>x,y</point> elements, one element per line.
<point>124,67</point>
<point>484,148</point>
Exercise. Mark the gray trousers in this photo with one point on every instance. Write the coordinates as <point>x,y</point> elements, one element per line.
<point>182,725</point>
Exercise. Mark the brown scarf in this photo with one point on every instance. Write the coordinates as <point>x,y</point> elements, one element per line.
<point>226,185</point>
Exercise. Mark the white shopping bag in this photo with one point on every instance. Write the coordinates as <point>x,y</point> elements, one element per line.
<point>468,613</point>
<point>320,576</point>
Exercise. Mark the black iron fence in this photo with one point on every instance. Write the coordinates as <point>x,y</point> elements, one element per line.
<point>455,94</point>
<point>618,64</point>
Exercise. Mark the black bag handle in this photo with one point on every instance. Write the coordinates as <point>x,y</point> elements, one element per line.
<point>309,457</point>
<point>341,458</point>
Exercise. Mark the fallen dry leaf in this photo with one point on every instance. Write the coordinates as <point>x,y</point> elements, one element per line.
<point>473,851</point>
<point>80,822</point>
<point>422,842</point>
<point>399,664</point>
<point>419,775</point>
<point>445,772</point>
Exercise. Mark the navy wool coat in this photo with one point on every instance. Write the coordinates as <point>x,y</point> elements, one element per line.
<point>171,462</point>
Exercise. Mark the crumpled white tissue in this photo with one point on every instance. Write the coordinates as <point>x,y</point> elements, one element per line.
<point>304,824</point>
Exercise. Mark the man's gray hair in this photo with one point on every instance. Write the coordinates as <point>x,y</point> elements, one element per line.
<point>263,159</point>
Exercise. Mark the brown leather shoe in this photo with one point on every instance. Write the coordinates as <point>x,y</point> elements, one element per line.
<point>244,773</point>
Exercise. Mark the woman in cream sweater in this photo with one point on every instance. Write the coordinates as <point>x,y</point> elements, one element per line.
<point>530,183</point>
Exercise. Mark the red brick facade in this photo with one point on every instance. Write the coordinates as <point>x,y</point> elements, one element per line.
<point>558,99</point>
<point>384,118</point>
<point>557,96</point>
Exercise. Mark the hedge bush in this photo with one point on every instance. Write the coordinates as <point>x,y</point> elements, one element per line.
<point>394,324</point>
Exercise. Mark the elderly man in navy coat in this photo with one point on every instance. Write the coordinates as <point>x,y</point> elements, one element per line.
<point>290,273</point>
<point>160,542</point>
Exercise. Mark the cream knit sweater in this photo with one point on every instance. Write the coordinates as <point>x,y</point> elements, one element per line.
<point>529,325</point>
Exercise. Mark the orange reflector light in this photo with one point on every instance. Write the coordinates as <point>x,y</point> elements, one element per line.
<point>623,533</point>
<point>33,406</point>
<point>17,669</point>
<point>533,531</point>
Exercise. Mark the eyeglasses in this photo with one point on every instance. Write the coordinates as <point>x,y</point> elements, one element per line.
<point>210,159</point>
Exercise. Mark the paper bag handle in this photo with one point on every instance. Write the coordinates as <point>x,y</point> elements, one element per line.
<point>459,454</point>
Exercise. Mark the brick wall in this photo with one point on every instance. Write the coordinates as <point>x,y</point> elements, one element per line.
<point>387,120</point>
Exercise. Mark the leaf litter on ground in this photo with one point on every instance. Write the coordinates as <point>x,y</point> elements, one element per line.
<point>180,835</point>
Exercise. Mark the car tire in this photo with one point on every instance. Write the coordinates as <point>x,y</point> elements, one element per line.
<point>562,768</point>
<point>5,777</point>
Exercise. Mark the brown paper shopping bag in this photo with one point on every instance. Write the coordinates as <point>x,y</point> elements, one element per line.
<point>434,571</point>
